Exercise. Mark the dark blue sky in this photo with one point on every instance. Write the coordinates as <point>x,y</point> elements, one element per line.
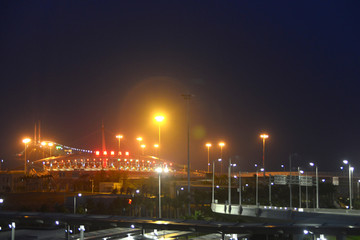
<point>288,68</point>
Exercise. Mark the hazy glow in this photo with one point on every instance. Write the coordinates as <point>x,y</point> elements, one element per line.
<point>345,161</point>
<point>312,164</point>
<point>119,136</point>
<point>208,145</point>
<point>50,144</point>
<point>139,139</point>
<point>156,145</point>
<point>221,144</point>
<point>143,146</point>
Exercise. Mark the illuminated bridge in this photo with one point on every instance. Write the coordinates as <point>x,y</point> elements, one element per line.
<point>66,158</point>
<point>101,161</point>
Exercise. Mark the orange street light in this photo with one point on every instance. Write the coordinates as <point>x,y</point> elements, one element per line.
<point>208,145</point>
<point>25,141</point>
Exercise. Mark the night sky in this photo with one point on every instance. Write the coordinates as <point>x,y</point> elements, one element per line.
<point>287,68</point>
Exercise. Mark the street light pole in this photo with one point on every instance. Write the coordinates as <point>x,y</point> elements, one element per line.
<point>208,145</point>
<point>50,144</point>
<point>317,186</point>
<point>25,141</point>
<point>213,183</point>
<point>229,184</point>
<point>351,169</point>
<point>257,183</point>
<point>187,97</point>
<point>306,191</point>
<point>160,170</point>
<point>270,183</point>
<point>240,200</point>
<point>160,194</point>
<point>79,194</point>
<point>317,183</point>
<point>350,182</point>
<point>221,144</point>
<point>299,188</point>
<point>119,137</point>
<point>264,137</point>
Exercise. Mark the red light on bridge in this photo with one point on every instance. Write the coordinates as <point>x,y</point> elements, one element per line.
<point>112,153</point>
<point>105,153</point>
<point>97,153</point>
<point>127,153</point>
<point>120,153</point>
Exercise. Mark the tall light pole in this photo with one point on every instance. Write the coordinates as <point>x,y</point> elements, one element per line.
<point>160,170</point>
<point>317,183</point>
<point>43,144</point>
<point>208,145</point>
<point>139,139</point>
<point>229,183</point>
<point>50,144</point>
<point>270,184</point>
<point>299,173</point>
<point>156,146</point>
<point>221,144</point>
<point>187,98</point>
<point>79,195</point>
<point>264,137</point>
<point>213,183</point>
<point>257,186</point>
<point>25,141</point>
<point>159,119</point>
<point>351,169</point>
<point>240,200</point>
<point>119,137</point>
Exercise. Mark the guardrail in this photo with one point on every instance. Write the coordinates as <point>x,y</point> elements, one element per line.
<point>320,215</point>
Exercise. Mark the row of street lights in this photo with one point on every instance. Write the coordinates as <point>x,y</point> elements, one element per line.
<point>208,145</point>
<point>222,144</point>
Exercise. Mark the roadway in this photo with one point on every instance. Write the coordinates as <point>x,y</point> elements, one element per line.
<point>280,229</point>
